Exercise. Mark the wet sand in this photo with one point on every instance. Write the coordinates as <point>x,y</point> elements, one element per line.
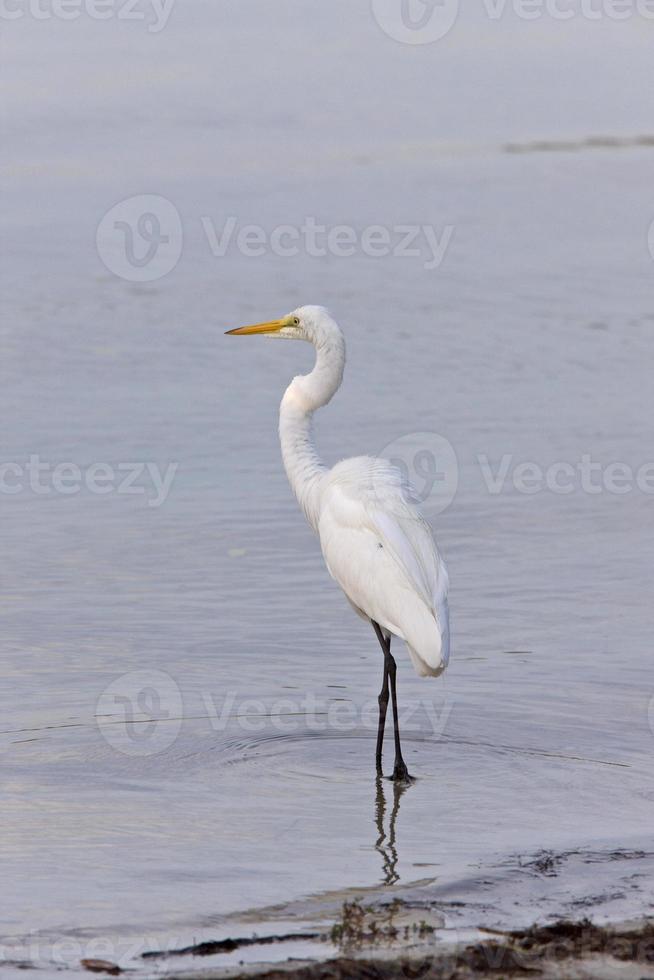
<point>480,927</point>
<point>403,941</point>
<point>562,951</point>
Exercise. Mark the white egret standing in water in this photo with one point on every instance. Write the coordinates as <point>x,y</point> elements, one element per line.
<point>376,543</point>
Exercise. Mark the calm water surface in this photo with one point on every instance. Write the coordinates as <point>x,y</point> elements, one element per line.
<point>253,796</point>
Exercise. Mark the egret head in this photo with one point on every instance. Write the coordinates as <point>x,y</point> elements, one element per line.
<point>311,323</point>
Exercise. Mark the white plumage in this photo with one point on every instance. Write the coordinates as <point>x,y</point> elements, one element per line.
<point>380,550</point>
<point>376,543</point>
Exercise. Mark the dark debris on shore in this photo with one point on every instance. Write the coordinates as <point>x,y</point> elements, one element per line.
<point>557,950</point>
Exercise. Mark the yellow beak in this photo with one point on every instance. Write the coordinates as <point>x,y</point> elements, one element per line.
<point>271,326</point>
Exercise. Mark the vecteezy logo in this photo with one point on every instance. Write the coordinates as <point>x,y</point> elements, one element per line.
<point>427,462</point>
<point>416,21</point>
<point>140,239</point>
<point>140,713</point>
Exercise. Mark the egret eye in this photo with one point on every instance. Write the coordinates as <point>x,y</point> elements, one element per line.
<point>296,321</point>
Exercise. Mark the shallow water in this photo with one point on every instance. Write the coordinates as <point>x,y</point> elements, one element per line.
<point>252,796</point>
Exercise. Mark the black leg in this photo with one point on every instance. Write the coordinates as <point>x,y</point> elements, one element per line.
<point>400,771</point>
<point>383,705</point>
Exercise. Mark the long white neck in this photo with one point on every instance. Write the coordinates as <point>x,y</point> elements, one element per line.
<point>304,395</point>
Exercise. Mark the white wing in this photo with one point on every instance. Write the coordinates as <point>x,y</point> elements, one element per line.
<point>380,550</point>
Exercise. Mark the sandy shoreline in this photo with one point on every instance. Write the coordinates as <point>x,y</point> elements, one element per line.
<point>586,912</point>
<point>404,945</point>
<point>516,923</point>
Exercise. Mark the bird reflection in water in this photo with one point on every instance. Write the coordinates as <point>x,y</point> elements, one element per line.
<point>385,844</point>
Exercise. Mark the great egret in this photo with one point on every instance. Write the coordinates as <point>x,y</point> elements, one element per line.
<point>375,542</point>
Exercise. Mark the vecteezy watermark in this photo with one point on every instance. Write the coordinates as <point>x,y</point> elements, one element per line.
<point>43,478</point>
<point>141,239</point>
<point>410,241</point>
<point>141,712</point>
<point>153,13</point>
<point>563,477</point>
<point>416,21</point>
<point>313,714</point>
<point>427,473</point>
<point>428,466</point>
<point>97,954</point>
<point>426,21</point>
